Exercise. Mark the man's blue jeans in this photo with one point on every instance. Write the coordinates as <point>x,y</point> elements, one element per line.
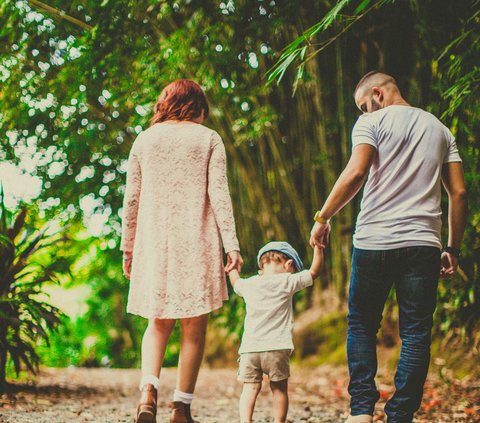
<point>414,272</point>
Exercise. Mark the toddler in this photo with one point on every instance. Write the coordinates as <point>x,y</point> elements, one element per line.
<point>267,338</point>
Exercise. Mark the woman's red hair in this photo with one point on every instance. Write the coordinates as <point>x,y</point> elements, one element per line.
<point>180,100</point>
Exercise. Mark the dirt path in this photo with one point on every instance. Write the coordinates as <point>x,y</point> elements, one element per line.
<point>316,395</point>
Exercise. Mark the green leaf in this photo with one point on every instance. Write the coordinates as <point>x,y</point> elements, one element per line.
<point>18,224</point>
<point>3,212</point>
<point>361,7</point>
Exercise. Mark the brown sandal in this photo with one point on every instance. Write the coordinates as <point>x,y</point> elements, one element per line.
<point>147,406</point>
<point>181,413</point>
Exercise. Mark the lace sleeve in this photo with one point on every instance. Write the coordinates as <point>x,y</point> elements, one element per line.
<point>220,196</point>
<point>130,202</point>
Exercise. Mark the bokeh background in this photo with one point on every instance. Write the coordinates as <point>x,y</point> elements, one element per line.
<point>78,80</point>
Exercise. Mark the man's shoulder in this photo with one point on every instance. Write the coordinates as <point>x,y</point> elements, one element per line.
<point>406,110</point>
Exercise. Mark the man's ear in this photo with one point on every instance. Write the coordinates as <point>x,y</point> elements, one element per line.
<point>378,92</point>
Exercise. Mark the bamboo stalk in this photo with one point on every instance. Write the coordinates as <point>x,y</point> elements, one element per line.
<point>60,14</point>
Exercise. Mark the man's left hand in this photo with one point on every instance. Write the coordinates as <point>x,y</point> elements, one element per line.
<point>448,264</point>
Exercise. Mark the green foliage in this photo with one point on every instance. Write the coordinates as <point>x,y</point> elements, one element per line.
<point>101,334</point>
<point>26,265</point>
<point>85,92</point>
<point>79,79</point>
<point>323,341</point>
<point>462,67</point>
<point>298,48</point>
<point>455,75</point>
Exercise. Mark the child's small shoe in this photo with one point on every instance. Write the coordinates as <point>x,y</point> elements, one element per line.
<point>147,406</point>
<point>181,413</point>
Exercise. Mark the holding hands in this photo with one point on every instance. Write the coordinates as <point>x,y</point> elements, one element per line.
<point>319,235</point>
<point>234,261</point>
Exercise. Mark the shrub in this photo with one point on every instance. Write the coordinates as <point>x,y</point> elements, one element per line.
<point>26,264</point>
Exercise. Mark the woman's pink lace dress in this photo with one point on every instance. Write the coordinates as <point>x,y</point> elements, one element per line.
<point>176,214</point>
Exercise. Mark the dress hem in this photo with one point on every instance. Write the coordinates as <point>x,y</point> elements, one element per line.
<point>196,314</point>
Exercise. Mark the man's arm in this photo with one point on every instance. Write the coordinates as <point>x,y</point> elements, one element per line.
<point>348,184</point>
<point>454,183</point>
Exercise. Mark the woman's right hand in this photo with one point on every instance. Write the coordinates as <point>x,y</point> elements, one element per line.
<point>234,261</point>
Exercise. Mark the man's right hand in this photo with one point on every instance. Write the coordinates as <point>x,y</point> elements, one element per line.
<point>319,235</point>
<point>448,264</point>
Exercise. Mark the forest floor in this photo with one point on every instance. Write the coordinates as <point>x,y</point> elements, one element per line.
<point>316,395</point>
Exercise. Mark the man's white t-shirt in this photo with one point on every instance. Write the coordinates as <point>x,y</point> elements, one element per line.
<point>269,319</point>
<point>401,199</point>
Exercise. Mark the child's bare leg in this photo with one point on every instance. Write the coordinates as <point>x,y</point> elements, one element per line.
<point>280,400</point>
<point>247,400</point>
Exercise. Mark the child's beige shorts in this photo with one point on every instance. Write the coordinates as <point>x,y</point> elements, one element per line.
<point>275,364</point>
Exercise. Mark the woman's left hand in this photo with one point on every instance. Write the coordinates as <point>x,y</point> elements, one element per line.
<point>127,264</point>
<point>234,261</point>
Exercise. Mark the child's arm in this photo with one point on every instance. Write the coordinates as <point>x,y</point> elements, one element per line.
<point>234,276</point>
<point>317,261</point>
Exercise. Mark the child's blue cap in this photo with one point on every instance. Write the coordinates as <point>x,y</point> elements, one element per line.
<point>282,247</point>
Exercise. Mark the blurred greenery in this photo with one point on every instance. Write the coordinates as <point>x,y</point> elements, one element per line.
<point>78,81</point>
<point>449,36</point>
<point>27,263</point>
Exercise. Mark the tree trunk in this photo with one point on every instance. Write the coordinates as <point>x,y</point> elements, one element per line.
<point>3,359</point>
<point>345,217</point>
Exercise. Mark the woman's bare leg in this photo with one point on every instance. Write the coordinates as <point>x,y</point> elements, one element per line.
<point>154,344</point>
<point>191,352</point>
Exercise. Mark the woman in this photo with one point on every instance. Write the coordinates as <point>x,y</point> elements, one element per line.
<point>177,214</point>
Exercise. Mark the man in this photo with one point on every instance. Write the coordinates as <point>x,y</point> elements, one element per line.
<point>404,153</point>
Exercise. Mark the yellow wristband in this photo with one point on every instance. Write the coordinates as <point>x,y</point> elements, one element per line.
<point>320,219</point>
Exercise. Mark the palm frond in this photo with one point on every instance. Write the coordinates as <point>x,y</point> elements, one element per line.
<point>25,316</point>
<point>18,224</point>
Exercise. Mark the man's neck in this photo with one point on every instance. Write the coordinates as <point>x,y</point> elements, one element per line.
<point>398,101</point>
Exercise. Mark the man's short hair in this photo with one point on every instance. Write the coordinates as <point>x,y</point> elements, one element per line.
<point>374,78</point>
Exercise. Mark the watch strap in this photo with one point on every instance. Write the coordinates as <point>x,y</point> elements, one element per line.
<point>452,250</point>
<point>320,219</point>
